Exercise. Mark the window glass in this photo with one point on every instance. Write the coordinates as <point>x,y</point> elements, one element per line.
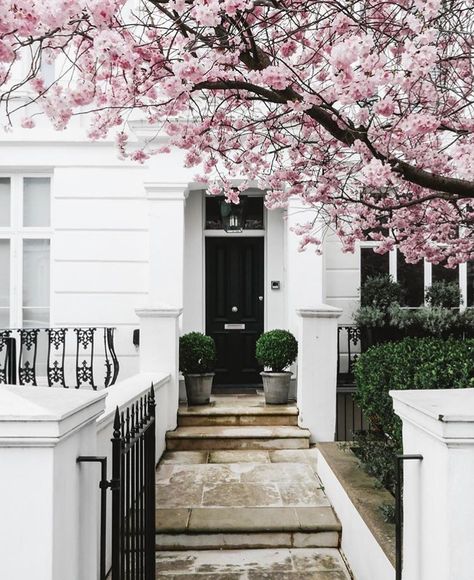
<point>36,201</point>
<point>470,284</point>
<point>411,279</point>
<point>252,212</point>
<point>5,197</point>
<point>372,264</point>
<point>36,283</point>
<point>440,272</point>
<point>4,283</point>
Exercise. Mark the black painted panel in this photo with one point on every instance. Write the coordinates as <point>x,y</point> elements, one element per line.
<point>235,277</point>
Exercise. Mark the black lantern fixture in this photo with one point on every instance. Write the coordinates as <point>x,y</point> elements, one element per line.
<point>233,215</point>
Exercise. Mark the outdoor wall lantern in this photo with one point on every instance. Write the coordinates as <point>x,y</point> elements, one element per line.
<point>233,216</point>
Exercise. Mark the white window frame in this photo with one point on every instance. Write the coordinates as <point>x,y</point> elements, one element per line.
<point>17,233</point>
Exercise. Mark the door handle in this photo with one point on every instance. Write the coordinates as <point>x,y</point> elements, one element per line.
<point>260,298</point>
<point>234,309</point>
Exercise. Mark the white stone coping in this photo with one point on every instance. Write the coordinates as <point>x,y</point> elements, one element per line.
<point>319,311</point>
<point>128,391</point>
<point>446,414</point>
<point>42,416</point>
<point>159,312</point>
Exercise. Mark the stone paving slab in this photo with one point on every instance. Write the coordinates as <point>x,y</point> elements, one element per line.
<point>243,519</point>
<point>239,456</point>
<point>238,485</point>
<point>184,457</point>
<point>269,564</point>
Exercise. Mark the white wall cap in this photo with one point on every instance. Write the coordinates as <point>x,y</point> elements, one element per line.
<point>167,191</point>
<point>128,391</point>
<point>319,311</point>
<point>447,414</point>
<point>42,416</point>
<point>162,311</point>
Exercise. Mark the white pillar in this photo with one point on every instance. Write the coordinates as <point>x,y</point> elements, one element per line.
<point>159,350</point>
<point>317,370</point>
<point>48,502</point>
<point>305,269</point>
<point>166,209</point>
<point>159,321</point>
<point>438,491</point>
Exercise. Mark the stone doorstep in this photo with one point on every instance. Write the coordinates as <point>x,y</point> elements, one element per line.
<point>246,520</point>
<point>236,444</point>
<point>230,419</point>
<point>239,432</point>
<point>214,410</point>
<point>238,437</point>
<point>246,540</point>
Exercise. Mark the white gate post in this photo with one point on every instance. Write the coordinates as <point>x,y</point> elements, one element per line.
<point>48,502</point>
<point>159,349</point>
<point>317,370</point>
<point>159,320</point>
<point>438,531</point>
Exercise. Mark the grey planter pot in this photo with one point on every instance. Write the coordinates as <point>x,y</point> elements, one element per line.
<point>198,388</point>
<point>276,387</point>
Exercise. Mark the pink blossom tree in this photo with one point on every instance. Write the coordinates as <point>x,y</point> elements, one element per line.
<point>363,109</point>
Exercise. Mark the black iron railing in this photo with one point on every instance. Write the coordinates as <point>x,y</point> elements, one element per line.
<point>133,500</point>
<point>32,356</point>
<point>349,416</point>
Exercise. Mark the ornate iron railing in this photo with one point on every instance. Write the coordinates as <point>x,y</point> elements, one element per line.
<point>59,357</point>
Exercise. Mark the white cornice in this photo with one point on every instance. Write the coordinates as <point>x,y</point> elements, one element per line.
<point>167,190</point>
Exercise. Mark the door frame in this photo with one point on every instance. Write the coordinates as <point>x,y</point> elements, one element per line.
<point>275,264</point>
<point>217,234</point>
<point>244,234</point>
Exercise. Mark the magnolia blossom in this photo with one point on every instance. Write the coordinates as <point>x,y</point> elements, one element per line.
<point>365,114</point>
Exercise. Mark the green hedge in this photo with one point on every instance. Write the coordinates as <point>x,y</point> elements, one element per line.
<point>412,363</point>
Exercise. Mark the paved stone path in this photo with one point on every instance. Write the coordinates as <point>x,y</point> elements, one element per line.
<point>275,497</point>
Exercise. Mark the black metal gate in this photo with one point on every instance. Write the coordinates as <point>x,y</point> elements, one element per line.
<point>133,491</point>
<point>349,416</point>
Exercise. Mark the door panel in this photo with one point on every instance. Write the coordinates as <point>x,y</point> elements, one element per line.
<point>234,279</point>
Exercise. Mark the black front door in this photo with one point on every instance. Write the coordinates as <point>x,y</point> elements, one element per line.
<point>234,307</point>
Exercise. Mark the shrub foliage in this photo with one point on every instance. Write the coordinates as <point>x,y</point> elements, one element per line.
<point>197,353</point>
<point>277,350</point>
<point>412,363</point>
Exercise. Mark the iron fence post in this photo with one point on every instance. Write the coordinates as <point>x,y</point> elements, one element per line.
<point>116,503</point>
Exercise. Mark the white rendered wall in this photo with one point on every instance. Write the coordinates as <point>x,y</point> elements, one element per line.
<point>342,278</point>
<point>365,556</point>
<point>438,505</point>
<point>194,318</point>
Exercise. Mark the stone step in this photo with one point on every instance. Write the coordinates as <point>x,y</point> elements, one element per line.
<point>237,437</point>
<point>225,415</point>
<point>296,564</point>
<point>205,528</point>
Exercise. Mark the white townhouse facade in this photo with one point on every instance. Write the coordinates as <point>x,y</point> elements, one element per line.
<point>86,239</point>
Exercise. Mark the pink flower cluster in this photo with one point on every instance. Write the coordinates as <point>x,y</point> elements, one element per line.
<point>366,115</point>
